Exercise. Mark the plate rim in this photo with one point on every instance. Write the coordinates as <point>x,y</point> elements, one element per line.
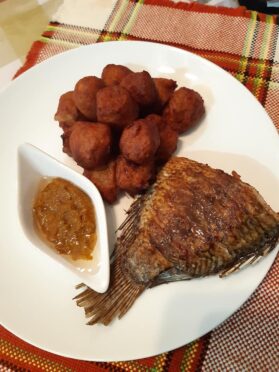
<point>182,51</point>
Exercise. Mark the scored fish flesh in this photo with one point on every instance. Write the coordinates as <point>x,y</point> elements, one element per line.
<point>193,222</point>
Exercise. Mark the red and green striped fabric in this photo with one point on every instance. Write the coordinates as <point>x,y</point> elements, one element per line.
<point>246,44</point>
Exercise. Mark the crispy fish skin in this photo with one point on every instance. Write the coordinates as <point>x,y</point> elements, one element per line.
<point>203,220</point>
<point>195,221</point>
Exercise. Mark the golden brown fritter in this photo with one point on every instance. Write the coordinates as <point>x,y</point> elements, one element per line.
<point>131,177</point>
<point>184,109</point>
<point>66,139</point>
<point>90,144</point>
<point>168,144</point>
<point>155,119</point>
<point>140,141</point>
<point>66,110</point>
<point>168,138</point>
<point>104,178</point>
<point>113,74</point>
<point>144,116</point>
<point>165,88</point>
<point>116,107</point>
<point>85,95</point>
<point>66,125</point>
<point>141,87</point>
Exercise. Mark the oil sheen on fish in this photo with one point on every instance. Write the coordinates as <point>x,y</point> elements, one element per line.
<point>195,221</point>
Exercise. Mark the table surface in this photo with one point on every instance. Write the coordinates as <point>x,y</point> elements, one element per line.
<point>22,22</point>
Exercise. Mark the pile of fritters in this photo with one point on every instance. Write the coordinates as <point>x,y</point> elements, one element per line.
<point>121,127</point>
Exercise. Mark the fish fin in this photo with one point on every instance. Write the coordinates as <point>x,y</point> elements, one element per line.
<point>169,276</point>
<point>130,226</point>
<point>104,307</point>
<point>123,291</point>
<point>250,259</point>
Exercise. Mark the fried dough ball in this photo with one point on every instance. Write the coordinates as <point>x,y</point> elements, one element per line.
<point>90,144</point>
<point>113,74</point>
<point>67,131</point>
<point>66,125</point>
<point>168,138</point>
<point>165,88</point>
<point>66,110</point>
<point>66,146</point>
<point>85,95</point>
<point>168,144</point>
<point>139,141</point>
<point>116,107</point>
<point>155,119</point>
<point>104,178</point>
<point>141,87</point>
<point>184,109</point>
<point>131,177</point>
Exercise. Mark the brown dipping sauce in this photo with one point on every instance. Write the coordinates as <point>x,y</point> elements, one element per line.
<point>65,218</point>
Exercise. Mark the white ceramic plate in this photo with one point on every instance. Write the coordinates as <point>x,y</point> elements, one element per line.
<point>36,293</point>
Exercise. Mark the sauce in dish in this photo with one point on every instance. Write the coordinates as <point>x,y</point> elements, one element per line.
<point>65,218</point>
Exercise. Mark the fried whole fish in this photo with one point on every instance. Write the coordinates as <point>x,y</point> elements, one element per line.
<point>195,221</point>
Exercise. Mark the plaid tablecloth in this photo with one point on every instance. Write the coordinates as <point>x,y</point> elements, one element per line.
<point>247,45</point>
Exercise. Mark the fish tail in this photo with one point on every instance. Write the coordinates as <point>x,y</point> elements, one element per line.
<point>104,307</point>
